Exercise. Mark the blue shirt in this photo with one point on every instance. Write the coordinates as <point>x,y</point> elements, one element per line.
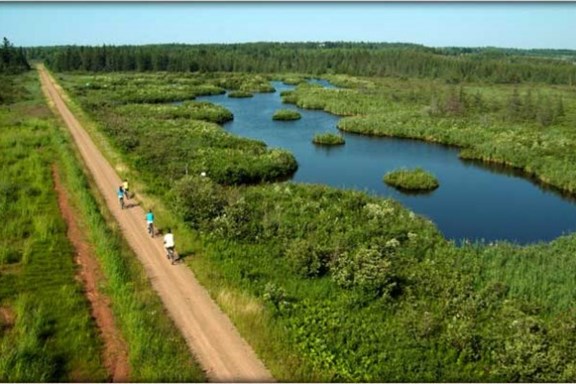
<point>120,193</point>
<point>150,217</point>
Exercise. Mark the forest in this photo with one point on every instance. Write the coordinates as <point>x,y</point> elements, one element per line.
<point>358,59</point>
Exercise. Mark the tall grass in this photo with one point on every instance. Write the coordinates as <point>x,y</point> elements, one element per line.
<point>53,337</point>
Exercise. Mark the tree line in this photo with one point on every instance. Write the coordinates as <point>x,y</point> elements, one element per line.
<point>12,59</point>
<point>454,65</point>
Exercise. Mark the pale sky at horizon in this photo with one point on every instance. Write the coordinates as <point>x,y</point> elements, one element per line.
<point>509,25</point>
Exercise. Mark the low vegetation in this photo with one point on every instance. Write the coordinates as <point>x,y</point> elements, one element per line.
<point>47,332</point>
<point>520,126</point>
<point>328,139</point>
<point>286,114</point>
<point>240,94</point>
<point>348,286</point>
<point>411,179</point>
<point>186,136</point>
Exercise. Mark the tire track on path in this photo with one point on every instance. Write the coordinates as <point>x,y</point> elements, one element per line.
<point>210,335</point>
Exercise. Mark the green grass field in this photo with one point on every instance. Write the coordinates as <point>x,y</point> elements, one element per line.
<point>48,333</point>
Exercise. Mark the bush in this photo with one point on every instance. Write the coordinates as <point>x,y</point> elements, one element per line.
<point>415,180</point>
<point>197,200</point>
<point>305,258</point>
<point>367,269</point>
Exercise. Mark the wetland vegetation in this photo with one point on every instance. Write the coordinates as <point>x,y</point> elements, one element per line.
<point>411,179</point>
<point>286,114</point>
<point>349,286</point>
<point>336,276</point>
<point>328,139</point>
<point>47,332</point>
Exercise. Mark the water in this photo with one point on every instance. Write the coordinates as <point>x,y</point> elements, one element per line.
<point>473,202</point>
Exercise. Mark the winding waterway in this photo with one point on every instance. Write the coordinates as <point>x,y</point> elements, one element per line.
<point>473,202</point>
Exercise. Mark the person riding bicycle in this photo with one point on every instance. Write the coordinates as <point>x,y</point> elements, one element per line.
<point>150,222</point>
<point>125,187</point>
<point>169,244</point>
<point>120,193</point>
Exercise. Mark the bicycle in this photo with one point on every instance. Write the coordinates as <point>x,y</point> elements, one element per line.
<point>121,199</point>
<point>171,255</point>
<point>150,228</point>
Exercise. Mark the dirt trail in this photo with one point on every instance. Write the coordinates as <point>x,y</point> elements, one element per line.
<point>115,349</point>
<point>224,355</point>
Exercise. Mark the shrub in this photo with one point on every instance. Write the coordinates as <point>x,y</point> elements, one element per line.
<point>305,258</point>
<point>367,269</point>
<point>197,200</point>
<point>286,114</point>
<point>416,179</point>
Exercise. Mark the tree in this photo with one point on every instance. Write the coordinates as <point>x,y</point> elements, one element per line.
<point>12,60</point>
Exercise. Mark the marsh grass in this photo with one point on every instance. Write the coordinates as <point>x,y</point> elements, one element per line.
<point>240,94</point>
<point>332,285</point>
<point>411,179</point>
<point>286,115</point>
<point>328,139</point>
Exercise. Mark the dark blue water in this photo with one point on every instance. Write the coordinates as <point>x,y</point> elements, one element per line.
<point>473,202</point>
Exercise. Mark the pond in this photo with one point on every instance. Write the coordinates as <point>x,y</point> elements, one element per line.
<point>473,201</point>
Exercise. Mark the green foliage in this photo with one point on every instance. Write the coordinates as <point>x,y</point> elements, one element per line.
<point>306,258</point>
<point>401,60</point>
<point>188,110</point>
<point>286,114</point>
<point>170,141</point>
<point>508,125</point>
<point>411,179</point>
<point>240,94</point>
<point>53,336</point>
<point>197,200</point>
<point>12,59</point>
<point>356,288</point>
<point>367,269</point>
<point>328,139</point>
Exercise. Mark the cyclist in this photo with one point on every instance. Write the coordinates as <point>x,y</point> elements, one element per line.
<point>120,193</point>
<point>125,187</point>
<point>150,222</point>
<point>169,244</point>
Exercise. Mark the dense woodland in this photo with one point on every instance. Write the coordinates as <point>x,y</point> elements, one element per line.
<point>357,59</point>
<point>12,61</point>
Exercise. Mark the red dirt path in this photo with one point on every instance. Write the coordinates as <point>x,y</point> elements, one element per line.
<point>115,348</point>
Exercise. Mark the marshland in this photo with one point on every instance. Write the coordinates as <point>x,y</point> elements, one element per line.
<point>334,280</point>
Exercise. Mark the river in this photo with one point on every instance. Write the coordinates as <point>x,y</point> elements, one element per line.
<point>473,202</point>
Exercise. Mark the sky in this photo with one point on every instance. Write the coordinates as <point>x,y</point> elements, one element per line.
<point>461,24</point>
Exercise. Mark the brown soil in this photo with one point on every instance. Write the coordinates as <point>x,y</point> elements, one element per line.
<point>211,336</point>
<point>7,318</point>
<point>115,348</point>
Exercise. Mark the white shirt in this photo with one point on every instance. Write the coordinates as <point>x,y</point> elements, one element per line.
<point>168,240</point>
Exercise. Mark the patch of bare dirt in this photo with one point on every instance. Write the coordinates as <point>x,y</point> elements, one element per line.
<point>7,319</point>
<point>115,348</point>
